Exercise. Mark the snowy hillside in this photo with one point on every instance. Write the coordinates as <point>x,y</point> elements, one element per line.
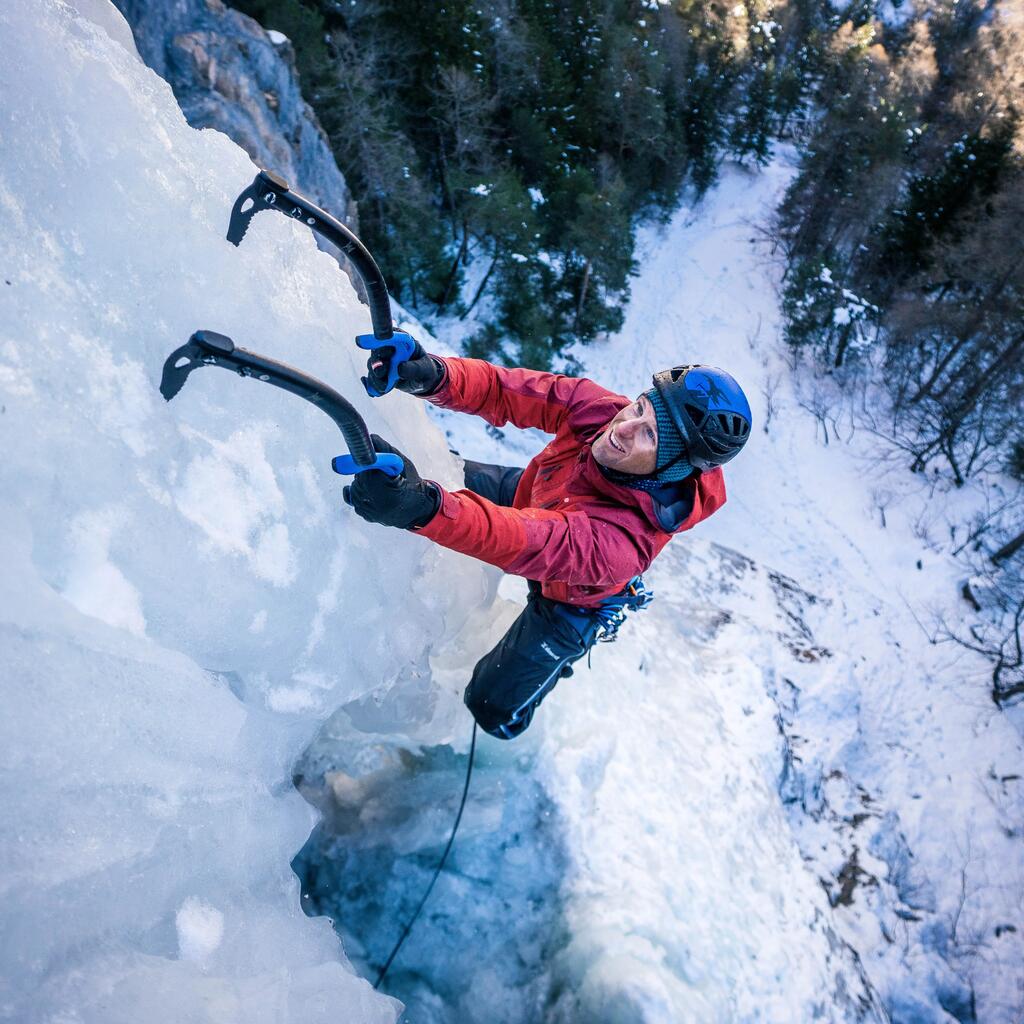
<point>771,800</point>
<point>901,777</point>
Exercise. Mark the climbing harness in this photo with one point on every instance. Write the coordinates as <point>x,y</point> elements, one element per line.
<point>437,870</point>
<point>612,613</point>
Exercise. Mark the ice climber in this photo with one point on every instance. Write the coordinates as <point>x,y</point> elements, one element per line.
<point>581,522</point>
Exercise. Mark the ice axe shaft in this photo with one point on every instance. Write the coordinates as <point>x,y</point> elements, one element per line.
<point>269,191</point>
<point>208,348</point>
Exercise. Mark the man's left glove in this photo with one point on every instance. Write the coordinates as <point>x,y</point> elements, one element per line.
<point>403,501</point>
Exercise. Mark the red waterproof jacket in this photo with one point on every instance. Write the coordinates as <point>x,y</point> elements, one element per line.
<point>582,536</point>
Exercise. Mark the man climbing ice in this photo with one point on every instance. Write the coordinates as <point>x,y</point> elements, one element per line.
<point>581,522</point>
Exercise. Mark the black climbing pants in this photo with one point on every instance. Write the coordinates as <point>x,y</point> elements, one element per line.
<point>495,483</point>
<point>510,681</point>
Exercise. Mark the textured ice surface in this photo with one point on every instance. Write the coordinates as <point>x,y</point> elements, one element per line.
<point>182,595</point>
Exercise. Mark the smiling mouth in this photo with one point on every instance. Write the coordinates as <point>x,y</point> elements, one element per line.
<point>615,444</point>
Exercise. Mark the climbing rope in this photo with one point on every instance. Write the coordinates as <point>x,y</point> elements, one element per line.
<point>608,618</point>
<point>440,866</point>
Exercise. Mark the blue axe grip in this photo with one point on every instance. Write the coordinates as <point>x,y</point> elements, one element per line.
<point>404,345</point>
<point>386,462</point>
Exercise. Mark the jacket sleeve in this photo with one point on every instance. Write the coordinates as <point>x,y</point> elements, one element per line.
<point>526,398</point>
<point>540,544</point>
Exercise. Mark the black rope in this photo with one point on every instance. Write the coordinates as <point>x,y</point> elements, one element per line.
<point>440,866</point>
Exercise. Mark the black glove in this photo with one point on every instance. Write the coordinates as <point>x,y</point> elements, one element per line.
<point>402,501</point>
<point>419,375</point>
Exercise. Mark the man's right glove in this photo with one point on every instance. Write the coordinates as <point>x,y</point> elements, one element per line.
<point>419,375</point>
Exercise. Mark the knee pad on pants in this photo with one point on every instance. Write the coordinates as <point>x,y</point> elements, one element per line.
<point>489,716</point>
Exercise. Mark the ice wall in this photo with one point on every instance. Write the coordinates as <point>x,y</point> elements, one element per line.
<point>183,597</point>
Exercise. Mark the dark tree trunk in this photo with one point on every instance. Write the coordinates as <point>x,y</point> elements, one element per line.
<point>844,342</point>
<point>981,307</point>
<point>1010,548</point>
<point>940,368</point>
<point>453,273</point>
<point>985,377</point>
<point>583,296</point>
<point>480,290</point>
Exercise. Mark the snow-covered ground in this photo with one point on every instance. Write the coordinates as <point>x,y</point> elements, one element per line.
<point>901,776</point>
<point>774,788</point>
<point>185,604</point>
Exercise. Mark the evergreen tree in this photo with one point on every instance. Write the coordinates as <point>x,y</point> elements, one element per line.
<point>533,135</point>
<point>398,217</point>
<point>936,200</point>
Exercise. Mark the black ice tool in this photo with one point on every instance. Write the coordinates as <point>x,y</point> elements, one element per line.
<point>207,348</point>
<point>269,191</point>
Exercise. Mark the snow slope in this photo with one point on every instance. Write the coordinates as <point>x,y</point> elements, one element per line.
<point>902,777</point>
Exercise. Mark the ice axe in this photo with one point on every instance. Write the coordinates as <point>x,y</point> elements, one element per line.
<point>268,191</point>
<point>207,348</point>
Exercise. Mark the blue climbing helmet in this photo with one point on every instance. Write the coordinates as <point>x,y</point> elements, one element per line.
<point>708,409</point>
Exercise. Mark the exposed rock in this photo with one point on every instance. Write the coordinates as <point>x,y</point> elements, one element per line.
<point>228,73</point>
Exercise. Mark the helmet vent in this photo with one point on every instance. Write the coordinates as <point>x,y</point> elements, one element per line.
<point>709,410</point>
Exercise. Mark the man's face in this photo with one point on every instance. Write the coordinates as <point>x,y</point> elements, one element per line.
<point>630,441</point>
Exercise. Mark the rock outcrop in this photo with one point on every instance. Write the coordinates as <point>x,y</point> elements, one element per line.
<point>228,73</point>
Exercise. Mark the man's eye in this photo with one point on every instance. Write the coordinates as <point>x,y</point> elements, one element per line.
<point>650,433</point>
